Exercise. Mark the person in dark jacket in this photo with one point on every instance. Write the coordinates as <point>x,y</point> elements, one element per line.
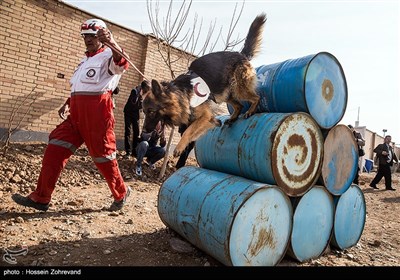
<point>386,157</point>
<point>131,119</point>
<point>360,143</point>
<point>113,99</point>
<point>148,147</point>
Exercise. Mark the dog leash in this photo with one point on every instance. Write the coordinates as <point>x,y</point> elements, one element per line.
<point>124,56</point>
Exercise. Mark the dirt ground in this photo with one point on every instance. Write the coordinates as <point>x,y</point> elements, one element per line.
<point>78,230</point>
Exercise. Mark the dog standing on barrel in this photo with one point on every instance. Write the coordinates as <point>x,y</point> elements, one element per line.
<point>224,76</point>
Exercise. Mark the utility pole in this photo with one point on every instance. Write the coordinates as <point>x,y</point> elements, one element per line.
<point>358,117</point>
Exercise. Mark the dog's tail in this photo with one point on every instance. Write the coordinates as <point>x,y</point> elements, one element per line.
<point>252,44</point>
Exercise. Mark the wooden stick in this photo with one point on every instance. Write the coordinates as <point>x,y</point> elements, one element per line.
<point>127,59</point>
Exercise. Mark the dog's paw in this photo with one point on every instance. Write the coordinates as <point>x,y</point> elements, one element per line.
<point>216,122</point>
<point>247,115</point>
<point>229,122</point>
<point>177,152</point>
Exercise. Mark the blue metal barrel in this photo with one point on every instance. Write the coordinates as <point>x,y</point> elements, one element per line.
<point>369,165</point>
<point>349,218</point>
<point>314,84</point>
<point>312,224</point>
<point>237,221</point>
<point>340,163</point>
<point>283,149</point>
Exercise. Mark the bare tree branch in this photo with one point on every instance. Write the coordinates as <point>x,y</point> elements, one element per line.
<point>170,36</point>
<point>229,43</point>
<point>17,106</point>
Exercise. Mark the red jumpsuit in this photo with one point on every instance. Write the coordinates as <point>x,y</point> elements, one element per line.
<point>91,121</point>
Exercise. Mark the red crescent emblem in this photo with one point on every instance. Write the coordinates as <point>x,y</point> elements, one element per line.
<point>196,91</point>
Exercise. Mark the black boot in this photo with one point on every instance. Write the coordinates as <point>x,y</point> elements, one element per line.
<point>26,201</point>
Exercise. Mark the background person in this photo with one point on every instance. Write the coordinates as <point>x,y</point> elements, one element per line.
<point>361,143</point>
<point>90,120</point>
<point>113,97</point>
<point>131,119</point>
<point>386,157</point>
<point>148,147</point>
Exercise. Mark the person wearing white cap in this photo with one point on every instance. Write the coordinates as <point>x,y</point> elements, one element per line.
<point>88,118</point>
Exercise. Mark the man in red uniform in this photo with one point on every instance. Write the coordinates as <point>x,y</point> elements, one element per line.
<point>90,120</point>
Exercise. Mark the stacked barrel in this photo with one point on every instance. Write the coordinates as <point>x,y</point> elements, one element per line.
<point>278,182</point>
<point>237,221</point>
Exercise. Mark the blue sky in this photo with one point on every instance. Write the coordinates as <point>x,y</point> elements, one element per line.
<point>363,35</point>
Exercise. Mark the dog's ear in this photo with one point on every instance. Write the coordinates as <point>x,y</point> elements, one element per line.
<point>145,86</point>
<point>156,88</point>
<point>146,89</point>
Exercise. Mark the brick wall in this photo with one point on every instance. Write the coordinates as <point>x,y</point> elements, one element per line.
<point>40,46</point>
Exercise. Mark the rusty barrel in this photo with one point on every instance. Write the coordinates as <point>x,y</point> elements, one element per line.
<point>340,163</point>
<point>312,224</point>
<point>350,214</point>
<point>314,84</point>
<point>237,221</point>
<point>283,149</point>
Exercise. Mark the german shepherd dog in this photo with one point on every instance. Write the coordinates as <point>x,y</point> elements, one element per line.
<point>224,76</point>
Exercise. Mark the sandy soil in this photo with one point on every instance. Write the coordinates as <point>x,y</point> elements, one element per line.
<point>78,230</point>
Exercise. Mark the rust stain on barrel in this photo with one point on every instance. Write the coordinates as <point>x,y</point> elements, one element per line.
<point>327,90</point>
<point>264,237</point>
<point>261,237</point>
<point>295,140</point>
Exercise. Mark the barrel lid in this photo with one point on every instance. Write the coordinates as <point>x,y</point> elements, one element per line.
<point>350,217</point>
<point>325,90</point>
<point>261,229</point>
<point>340,161</point>
<point>312,224</point>
<point>297,153</point>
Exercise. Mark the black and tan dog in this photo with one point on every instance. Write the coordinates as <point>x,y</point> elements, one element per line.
<point>216,77</point>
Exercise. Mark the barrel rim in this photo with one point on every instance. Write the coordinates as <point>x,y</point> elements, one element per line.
<point>323,172</point>
<point>344,81</point>
<point>334,239</point>
<point>297,201</point>
<point>290,208</point>
<point>285,187</point>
